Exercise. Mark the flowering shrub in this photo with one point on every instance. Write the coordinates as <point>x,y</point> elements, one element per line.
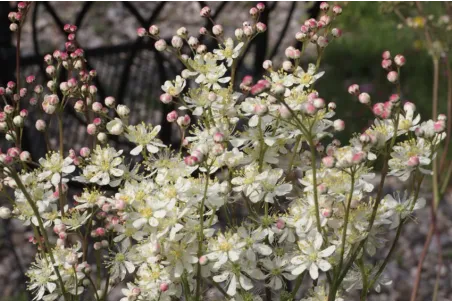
<point>165,218</point>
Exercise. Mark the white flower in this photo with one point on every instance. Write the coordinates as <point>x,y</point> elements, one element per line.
<point>229,52</point>
<point>115,127</point>
<point>311,257</point>
<point>174,88</point>
<point>144,136</point>
<point>54,167</point>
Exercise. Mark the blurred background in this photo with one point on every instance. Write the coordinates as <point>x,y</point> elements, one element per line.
<point>131,70</point>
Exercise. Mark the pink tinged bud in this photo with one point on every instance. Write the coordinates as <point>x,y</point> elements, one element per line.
<point>50,70</point>
<point>191,161</point>
<point>203,31</point>
<point>141,32</point>
<point>8,109</point>
<point>280,224</point>
<point>442,117</point>
<point>260,6</point>
<point>386,55</point>
<point>364,138</point>
<point>40,125</point>
<point>166,98</point>
<point>25,156</point>
<point>30,79</point>
<point>353,89</point>
<point>322,42</point>
<point>324,6</point>
<point>154,30</point>
<point>97,246</point>
<point>332,106</point>
<point>336,32</point>
<point>164,287</point>
<point>23,113</point>
<point>400,60</point>
<point>217,149</point>
<point>358,158</point>
<point>337,10</point>
<point>413,161</point>
<point>378,109</point>
<point>218,137</point>
<point>254,11</point>
<point>309,108</point>
<point>322,188</point>
<point>393,76</point>
<point>319,103</point>
<point>364,98</point>
<point>120,205</point>
<point>260,87</point>
<point>247,80</point>
<point>160,45</point>
<point>6,159</point>
<point>248,31</point>
<point>100,232</point>
<point>183,121</point>
<point>13,152</point>
<point>62,235</point>
<point>205,12</point>
<point>79,106</point>
<point>299,36</point>
<point>110,101</point>
<point>136,291</point>
<point>287,66</point>
<point>13,27</point>
<point>328,161</point>
<point>439,126</point>
<point>97,106</point>
<point>217,30</point>
<point>203,260</point>
<point>394,98</point>
<point>261,27</point>
<point>172,116</point>
<point>386,63</point>
<point>177,42</point>
<point>326,212</point>
<point>339,125</point>
<point>91,129</point>
<point>97,121</point>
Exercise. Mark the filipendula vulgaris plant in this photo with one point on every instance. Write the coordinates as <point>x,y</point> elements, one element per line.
<point>163,217</point>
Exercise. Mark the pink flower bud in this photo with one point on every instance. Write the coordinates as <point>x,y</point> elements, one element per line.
<point>260,87</point>
<point>322,42</point>
<point>328,161</point>
<point>299,36</point>
<point>260,6</point>
<point>326,212</point>
<point>164,287</point>
<point>136,291</point>
<point>378,109</point>
<point>205,12</point>
<point>394,98</point>
<point>309,108</point>
<point>191,161</point>
<point>177,42</point>
<point>62,235</point>
<point>97,106</point>
<point>203,31</point>
<point>400,60</point>
<point>25,156</point>
<point>154,30</point>
<point>386,55</point>
<point>261,27</point>
<point>40,125</point>
<point>160,45</point>
<point>284,112</point>
<point>260,109</point>
<point>393,76</point>
<point>217,149</point>
<point>319,103</point>
<point>120,204</point>
<point>386,63</point>
<point>280,224</point>
<point>141,32</point>
<point>353,89</point>
<point>13,152</point>
<point>364,98</point>
<point>254,11</point>
<point>218,137</point>
<point>166,98</point>
<point>439,126</point>
<point>183,121</point>
<point>23,113</point>
<point>97,246</point>
<point>172,116</point>
<point>324,6</point>
<point>332,106</point>
<point>217,30</point>
<point>110,101</point>
<point>336,32</point>
<point>442,117</point>
<point>413,161</point>
<point>91,129</point>
<point>203,260</point>
<point>100,232</point>
<point>339,125</point>
<point>97,121</point>
<point>337,10</point>
<point>247,80</point>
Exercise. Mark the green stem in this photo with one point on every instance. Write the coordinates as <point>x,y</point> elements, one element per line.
<point>43,230</point>
<point>201,237</point>
<point>298,283</point>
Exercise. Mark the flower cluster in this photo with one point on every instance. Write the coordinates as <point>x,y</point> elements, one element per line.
<point>165,218</point>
